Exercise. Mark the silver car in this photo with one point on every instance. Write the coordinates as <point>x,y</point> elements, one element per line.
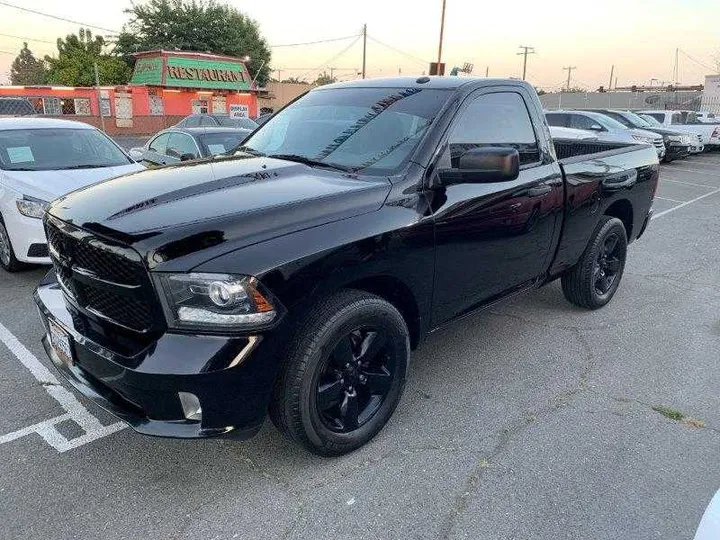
<point>606,128</point>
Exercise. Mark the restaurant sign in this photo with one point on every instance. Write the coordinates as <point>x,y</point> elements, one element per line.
<point>191,73</point>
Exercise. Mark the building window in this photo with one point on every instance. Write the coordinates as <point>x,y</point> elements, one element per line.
<point>200,106</point>
<point>82,107</point>
<point>105,107</point>
<point>52,106</point>
<point>156,106</point>
<point>68,106</point>
<point>219,105</point>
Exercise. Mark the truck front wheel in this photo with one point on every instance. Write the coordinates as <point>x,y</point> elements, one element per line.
<point>344,373</point>
<point>593,281</point>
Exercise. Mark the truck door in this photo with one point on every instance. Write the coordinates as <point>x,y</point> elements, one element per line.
<point>493,238</point>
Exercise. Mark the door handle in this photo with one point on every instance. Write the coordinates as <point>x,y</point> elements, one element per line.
<point>539,191</point>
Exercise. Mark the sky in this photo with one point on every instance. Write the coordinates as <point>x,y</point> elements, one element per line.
<point>639,37</point>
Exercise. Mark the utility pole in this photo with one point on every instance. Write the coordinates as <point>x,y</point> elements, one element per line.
<point>364,48</point>
<point>487,71</point>
<point>399,71</point>
<point>612,70</point>
<point>526,51</point>
<point>442,30</point>
<point>278,77</point>
<point>569,69</point>
<point>99,98</point>
<point>677,66</point>
<point>332,73</point>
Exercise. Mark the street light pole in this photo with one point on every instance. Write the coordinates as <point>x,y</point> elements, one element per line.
<point>364,48</point>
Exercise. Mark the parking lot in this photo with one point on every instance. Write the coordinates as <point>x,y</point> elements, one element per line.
<point>534,419</point>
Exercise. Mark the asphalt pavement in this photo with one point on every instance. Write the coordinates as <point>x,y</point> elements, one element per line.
<point>533,420</point>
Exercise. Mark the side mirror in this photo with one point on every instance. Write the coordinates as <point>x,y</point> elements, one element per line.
<point>136,153</point>
<point>596,127</point>
<point>187,157</point>
<point>484,165</point>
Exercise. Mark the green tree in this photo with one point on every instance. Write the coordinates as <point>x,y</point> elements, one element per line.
<point>76,59</point>
<point>324,78</point>
<point>26,69</point>
<point>195,25</point>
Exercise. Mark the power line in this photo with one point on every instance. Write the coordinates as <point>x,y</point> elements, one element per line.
<point>413,57</point>
<point>314,42</point>
<point>25,38</point>
<point>338,55</point>
<point>698,62</point>
<point>50,16</point>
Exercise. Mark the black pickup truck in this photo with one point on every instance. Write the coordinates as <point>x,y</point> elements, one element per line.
<point>295,274</point>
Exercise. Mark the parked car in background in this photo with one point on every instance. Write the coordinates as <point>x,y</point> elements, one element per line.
<point>709,133</point>
<point>16,106</point>
<point>42,159</point>
<point>260,120</point>
<point>177,144</point>
<point>296,275</point>
<point>677,143</point>
<point>606,128</point>
<point>571,134</point>
<point>695,139</point>
<point>705,117</point>
<point>217,120</point>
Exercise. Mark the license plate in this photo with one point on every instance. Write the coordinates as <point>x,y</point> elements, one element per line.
<point>61,343</point>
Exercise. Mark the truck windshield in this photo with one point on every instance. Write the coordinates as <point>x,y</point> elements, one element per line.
<point>373,130</point>
<point>637,120</point>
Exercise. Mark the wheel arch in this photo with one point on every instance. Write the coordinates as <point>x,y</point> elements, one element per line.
<point>623,210</point>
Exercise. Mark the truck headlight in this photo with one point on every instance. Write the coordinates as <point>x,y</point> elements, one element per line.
<point>31,207</point>
<point>216,302</point>
<point>675,138</point>
<point>640,138</point>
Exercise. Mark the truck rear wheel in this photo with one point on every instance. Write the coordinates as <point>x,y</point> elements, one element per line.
<point>593,281</point>
<point>344,373</point>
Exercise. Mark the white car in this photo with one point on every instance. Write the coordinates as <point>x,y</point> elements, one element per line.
<point>40,160</point>
<point>709,133</point>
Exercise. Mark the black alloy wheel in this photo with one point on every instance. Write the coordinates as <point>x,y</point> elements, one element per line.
<point>355,380</point>
<point>608,263</point>
<point>595,278</point>
<point>343,372</point>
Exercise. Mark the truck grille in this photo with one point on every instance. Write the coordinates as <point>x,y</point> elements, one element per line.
<point>108,281</point>
<point>659,144</point>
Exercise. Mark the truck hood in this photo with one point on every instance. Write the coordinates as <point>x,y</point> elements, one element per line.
<point>217,205</point>
<point>49,185</point>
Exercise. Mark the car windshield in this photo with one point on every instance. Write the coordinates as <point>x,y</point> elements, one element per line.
<point>653,120</point>
<point>219,143</point>
<point>370,129</point>
<point>51,148</point>
<point>244,123</point>
<point>637,120</point>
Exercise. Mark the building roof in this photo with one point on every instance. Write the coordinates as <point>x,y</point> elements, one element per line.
<point>24,122</point>
<point>207,55</point>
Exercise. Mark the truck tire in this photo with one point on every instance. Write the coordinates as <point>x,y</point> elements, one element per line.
<point>344,373</point>
<point>593,281</point>
<point>7,255</point>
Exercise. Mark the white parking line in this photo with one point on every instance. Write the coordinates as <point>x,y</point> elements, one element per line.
<point>655,216</point>
<point>666,199</point>
<point>663,179</point>
<point>704,173</point>
<point>74,410</point>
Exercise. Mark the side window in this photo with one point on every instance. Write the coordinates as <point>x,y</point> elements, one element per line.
<point>557,119</point>
<point>181,144</point>
<point>676,118</point>
<point>159,143</point>
<point>579,121</point>
<point>500,119</point>
<point>658,116</point>
<point>207,121</point>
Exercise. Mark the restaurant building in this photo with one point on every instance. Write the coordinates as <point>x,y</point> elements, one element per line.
<point>165,87</point>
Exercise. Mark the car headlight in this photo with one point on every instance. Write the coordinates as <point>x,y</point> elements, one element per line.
<point>217,302</point>
<point>31,207</point>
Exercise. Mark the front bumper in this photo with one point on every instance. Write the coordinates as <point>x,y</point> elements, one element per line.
<point>231,377</point>
<point>677,152</point>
